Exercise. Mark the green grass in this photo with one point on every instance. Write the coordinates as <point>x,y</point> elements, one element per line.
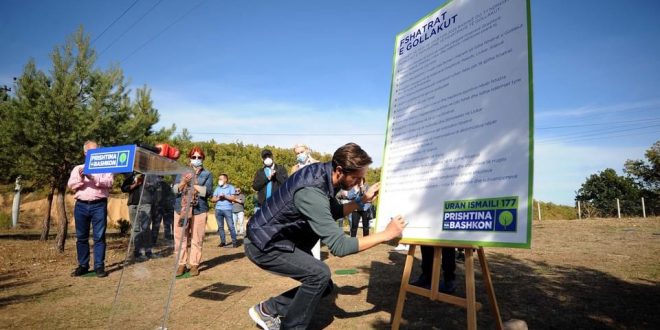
<point>5,220</point>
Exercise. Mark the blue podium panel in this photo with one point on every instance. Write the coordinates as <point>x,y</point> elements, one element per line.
<point>118,159</point>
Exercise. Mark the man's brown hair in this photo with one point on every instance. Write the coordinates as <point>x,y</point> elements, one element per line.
<point>351,157</point>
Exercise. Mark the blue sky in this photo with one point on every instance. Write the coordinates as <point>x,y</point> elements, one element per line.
<point>282,72</point>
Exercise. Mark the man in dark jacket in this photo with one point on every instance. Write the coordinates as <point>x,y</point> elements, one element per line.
<point>140,197</point>
<point>269,178</point>
<point>283,231</point>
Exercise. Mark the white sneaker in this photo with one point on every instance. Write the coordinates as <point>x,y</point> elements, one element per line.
<point>401,247</point>
<point>263,320</point>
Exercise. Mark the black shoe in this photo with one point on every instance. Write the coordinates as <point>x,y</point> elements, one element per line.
<point>236,244</point>
<point>100,272</point>
<point>448,287</point>
<point>230,245</point>
<point>79,271</point>
<point>222,244</point>
<point>423,281</point>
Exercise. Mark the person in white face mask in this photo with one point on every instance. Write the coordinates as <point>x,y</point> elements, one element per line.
<point>223,196</point>
<point>269,178</point>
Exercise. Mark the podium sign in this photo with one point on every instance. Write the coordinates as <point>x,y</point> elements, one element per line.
<point>118,159</point>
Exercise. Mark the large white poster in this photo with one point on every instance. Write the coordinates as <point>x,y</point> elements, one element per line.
<point>458,154</point>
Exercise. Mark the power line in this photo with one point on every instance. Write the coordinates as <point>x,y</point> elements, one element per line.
<point>599,133</point>
<point>602,134</point>
<point>600,124</point>
<point>162,31</point>
<point>130,27</point>
<point>596,137</point>
<point>626,125</point>
<point>284,134</point>
<point>116,19</point>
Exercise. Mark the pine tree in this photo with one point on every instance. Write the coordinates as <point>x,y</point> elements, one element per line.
<point>74,103</point>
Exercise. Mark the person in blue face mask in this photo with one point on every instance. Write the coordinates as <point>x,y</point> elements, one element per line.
<point>303,157</point>
<point>194,207</point>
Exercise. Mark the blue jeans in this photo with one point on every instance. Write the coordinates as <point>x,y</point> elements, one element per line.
<point>96,215</point>
<point>220,217</point>
<point>296,306</point>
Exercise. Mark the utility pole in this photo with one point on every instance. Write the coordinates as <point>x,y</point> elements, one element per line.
<point>643,208</point>
<point>16,206</point>
<point>618,208</point>
<point>538,208</point>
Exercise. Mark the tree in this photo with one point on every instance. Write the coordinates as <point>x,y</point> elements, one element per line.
<point>8,150</point>
<point>647,175</point>
<point>53,115</point>
<point>240,162</point>
<point>604,188</point>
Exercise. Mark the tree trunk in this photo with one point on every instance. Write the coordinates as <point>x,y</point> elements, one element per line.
<point>45,225</point>
<point>64,221</point>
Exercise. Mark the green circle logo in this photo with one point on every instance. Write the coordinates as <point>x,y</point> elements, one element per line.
<point>123,157</point>
<point>505,218</point>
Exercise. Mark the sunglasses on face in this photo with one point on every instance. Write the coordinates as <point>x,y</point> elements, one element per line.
<point>196,157</point>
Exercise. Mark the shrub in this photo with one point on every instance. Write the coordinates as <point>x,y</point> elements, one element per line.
<point>5,220</point>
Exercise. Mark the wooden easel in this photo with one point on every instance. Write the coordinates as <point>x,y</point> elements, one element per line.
<point>469,302</point>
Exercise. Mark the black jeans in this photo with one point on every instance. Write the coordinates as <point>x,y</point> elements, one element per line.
<point>296,306</point>
<point>355,217</point>
<point>164,214</point>
<point>448,262</point>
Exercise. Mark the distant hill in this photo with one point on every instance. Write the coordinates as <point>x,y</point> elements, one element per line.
<point>552,211</point>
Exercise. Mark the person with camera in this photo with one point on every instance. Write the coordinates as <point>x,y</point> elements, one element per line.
<point>238,212</point>
<point>191,208</point>
<point>364,212</point>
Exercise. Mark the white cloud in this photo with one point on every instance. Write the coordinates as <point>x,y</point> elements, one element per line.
<point>282,124</point>
<point>560,168</point>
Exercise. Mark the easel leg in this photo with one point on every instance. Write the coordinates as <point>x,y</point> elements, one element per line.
<point>489,288</point>
<point>435,275</point>
<point>471,296</point>
<point>396,321</point>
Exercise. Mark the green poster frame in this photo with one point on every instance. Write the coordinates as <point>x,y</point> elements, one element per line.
<point>527,244</point>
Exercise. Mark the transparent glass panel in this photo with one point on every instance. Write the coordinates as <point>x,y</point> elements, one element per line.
<point>148,273</point>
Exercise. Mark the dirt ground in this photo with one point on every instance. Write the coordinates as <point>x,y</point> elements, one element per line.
<point>591,274</point>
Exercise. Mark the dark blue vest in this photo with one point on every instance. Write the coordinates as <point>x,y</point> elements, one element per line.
<point>278,224</point>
